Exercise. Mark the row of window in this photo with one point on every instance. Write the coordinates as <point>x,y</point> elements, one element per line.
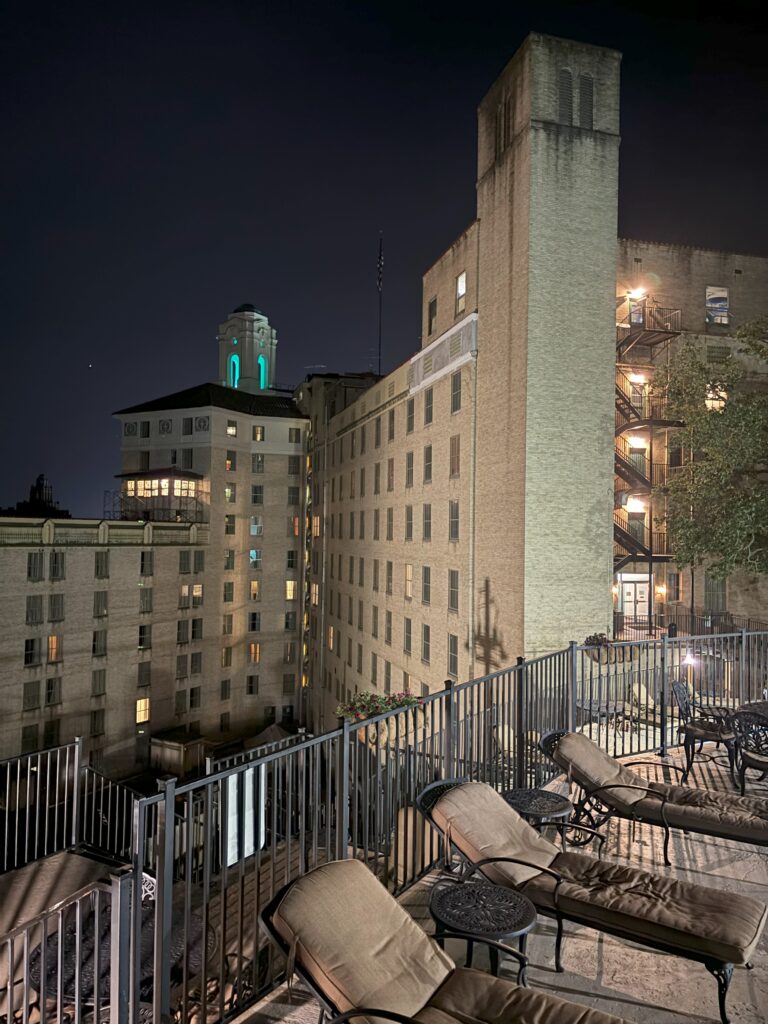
<point>335,644</point>
<point>258,431</point>
<point>356,440</point>
<point>454,470</point>
<point>256,525</point>
<point>189,561</point>
<point>426,592</point>
<point>257,463</point>
<point>257,494</point>
<point>337,523</point>
<point>291,590</point>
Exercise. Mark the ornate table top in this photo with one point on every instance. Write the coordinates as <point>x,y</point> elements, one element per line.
<point>482,909</point>
<point>539,803</point>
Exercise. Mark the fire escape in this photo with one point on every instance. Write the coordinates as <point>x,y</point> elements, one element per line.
<point>641,337</point>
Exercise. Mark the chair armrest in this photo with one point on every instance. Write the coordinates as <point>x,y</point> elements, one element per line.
<point>715,713</point>
<point>516,860</point>
<point>625,785</point>
<point>656,764</point>
<point>586,828</point>
<point>521,958</point>
<point>398,1018</point>
<point>559,879</point>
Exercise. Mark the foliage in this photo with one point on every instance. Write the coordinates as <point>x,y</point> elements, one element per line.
<point>717,501</point>
<point>365,705</point>
<point>597,640</point>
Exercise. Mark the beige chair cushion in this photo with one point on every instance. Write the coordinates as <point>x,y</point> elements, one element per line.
<point>691,918</point>
<point>471,997</point>
<point>591,767</point>
<point>482,824</point>
<point>705,810</point>
<point>357,943</point>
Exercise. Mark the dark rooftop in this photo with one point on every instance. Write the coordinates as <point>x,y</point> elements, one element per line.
<point>247,307</point>
<point>223,398</point>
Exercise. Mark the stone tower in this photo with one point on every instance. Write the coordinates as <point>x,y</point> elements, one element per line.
<point>547,185</point>
<point>247,350</point>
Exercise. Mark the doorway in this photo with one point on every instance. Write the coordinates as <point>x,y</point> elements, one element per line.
<point>635,589</point>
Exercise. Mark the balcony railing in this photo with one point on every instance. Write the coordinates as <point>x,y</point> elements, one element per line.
<point>212,852</point>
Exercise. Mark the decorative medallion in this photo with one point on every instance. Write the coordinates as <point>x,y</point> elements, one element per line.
<point>201,423</point>
<point>166,426</point>
<point>129,429</point>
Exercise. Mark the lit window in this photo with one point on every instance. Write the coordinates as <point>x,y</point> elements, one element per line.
<point>291,590</point>
<point>142,710</point>
<point>315,526</point>
<point>258,432</point>
<point>230,463</point>
<point>231,428</point>
<point>408,579</point>
<point>230,493</point>
<point>55,648</point>
<point>315,594</point>
<point>255,558</point>
<point>257,526</point>
<point>197,595</point>
<point>184,488</point>
<point>255,590</point>
<point>461,292</point>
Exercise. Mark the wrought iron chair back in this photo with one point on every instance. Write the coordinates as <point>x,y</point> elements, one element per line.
<point>683,700</point>
<point>751,731</point>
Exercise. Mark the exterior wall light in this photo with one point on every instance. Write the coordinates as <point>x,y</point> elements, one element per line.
<point>636,294</point>
<point>637,442</point>
<point>635,505</point>
<point>716,398</point>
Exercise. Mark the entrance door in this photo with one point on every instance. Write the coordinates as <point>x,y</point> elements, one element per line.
<point>635,599</point>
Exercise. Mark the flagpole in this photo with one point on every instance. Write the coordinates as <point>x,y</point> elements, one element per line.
<point>379,277</point>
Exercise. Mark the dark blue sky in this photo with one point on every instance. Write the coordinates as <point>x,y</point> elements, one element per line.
<point>163,164</point>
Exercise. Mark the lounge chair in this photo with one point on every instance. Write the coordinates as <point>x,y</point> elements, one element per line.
<point>714,928</point>
<point>365,958</point>
<point>610,789</point>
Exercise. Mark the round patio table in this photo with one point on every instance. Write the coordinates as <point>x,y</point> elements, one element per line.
<point>483,909</point>
<point>541,806</point>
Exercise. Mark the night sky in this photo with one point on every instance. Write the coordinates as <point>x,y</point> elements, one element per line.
<point>163,164</point>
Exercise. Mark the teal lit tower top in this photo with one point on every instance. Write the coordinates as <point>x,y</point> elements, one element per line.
<point>247,350</point>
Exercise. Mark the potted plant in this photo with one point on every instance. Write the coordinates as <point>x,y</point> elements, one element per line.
<point>604,651</point>
<point>366,705</point>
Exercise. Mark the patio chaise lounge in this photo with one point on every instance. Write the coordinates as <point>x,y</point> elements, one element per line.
<point>610,789</point>
<point>717,929</point>
<point>366,959</point>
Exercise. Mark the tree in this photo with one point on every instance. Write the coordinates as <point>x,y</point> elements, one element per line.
<point>717,501</point>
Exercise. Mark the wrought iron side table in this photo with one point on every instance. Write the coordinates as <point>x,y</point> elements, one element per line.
<point>540,806</point>
<point>483,909</point>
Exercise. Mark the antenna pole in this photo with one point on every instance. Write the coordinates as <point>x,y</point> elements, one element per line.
<point>379,280</point>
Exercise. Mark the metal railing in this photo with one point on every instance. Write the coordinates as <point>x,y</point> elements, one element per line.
<point>208,855</point>
<point>694,623</point>
<point>68,963</point>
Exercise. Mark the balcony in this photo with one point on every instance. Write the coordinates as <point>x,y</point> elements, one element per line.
<point>191,866</point>
<point>645,327</point>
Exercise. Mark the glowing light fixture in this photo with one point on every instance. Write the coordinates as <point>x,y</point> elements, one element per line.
<point>635,505</point>
<point>716,398</point>
<point>637,442</point>
<point>688,659</point>
<point>637,378</point>
<point>615,589</point>
<point>636,294</point>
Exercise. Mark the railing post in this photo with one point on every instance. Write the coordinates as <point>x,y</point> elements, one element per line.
<point>342,791</point>
<point>744,670</point>
<point>664,693</point>
<point>119,941</point>
<point>161,1008</point>
<point>77,772</point>
<point>449,730</point>
<point>572,672</point>
<point>520,737</point>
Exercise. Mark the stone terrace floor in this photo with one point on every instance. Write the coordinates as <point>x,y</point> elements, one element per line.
<point>600,971</point>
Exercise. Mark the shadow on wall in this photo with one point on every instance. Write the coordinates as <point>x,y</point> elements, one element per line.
<point>489,641</point>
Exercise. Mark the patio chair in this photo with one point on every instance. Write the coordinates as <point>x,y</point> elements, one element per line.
<point>717,929</point>
<point>609,789</point>
<point>751,732</point>
<point>702,724</point>
<point>364,958</point>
